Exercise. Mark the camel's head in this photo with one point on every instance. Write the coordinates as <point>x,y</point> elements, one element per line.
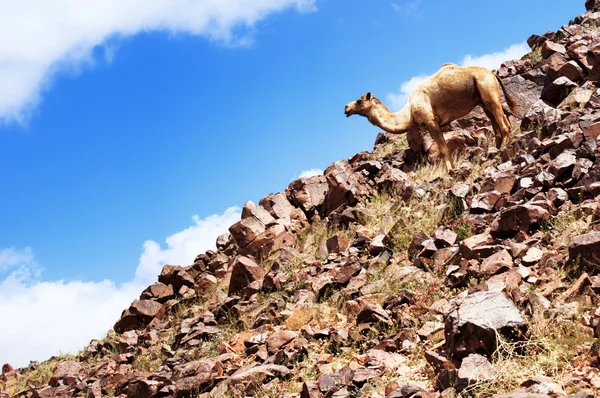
<point>361,106</point>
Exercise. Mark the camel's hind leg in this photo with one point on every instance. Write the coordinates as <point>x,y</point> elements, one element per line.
<point>489,91</point>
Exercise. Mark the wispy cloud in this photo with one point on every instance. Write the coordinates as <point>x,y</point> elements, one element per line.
<point>12,257</point>
<point>42,38</point>
<point>493,60</point>
<point>397,100</point>
<point>310,173</point>
<point>71,313</point>
<point>407,7</point>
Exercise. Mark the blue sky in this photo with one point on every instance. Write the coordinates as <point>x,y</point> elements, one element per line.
<point>121,120</point>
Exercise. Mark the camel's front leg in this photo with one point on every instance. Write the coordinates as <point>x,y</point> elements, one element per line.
<point>438,136</point>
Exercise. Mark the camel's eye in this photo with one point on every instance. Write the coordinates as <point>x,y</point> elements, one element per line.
<point>358,102</point>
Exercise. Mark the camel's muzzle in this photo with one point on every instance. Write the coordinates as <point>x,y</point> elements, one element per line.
<point>347,111</point>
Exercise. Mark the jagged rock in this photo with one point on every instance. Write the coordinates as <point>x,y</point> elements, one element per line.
<point>578,98</point>
<point>344,187</point>
<point>417,244</point>
<point>332,382</point>
<point>66,373</point>
<point>584,253</point>
<point>484,202</point>
<point>360,376</point>
<point>468,246</point>
<point>542,385</point>
<point>498,262</point>
<point>308,193</point>
<point>394,181</point>
<point>245,271</point>
<point>280,207</point>
<point>128,340</point>
<point>372,313</point>
<point>337,244</point>
<point>444,237</point>
<point>471,325</point>
<point>139,314</point>
<point>258,374</point>
<point>532,256</point>
<point>176,276</point>
<point>525,92</point>
<point>159,292</point>
<point>550,47</point>
<point>278,339</point>
<point>473,369</point>
<point>310,389</point>
<point>558,90</point>
<point>430,329</point>
<point>592,5</point>
<point>196,376</point>
<point>518,218</point>
<point>405,391</point>
<point>563,163</point>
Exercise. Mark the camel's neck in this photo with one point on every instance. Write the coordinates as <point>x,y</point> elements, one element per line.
<point>394,123</point>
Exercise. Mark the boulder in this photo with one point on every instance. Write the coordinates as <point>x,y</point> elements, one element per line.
<point>308,193</point>
<point>584,254</point>
<point>344,186</point>
<point>556,91</point>
<point>196,376</point>
<point>66,373</point>
<point>245,271</point>
<point>473,369</point>
<point>518,218</point>
<point>472,324</point>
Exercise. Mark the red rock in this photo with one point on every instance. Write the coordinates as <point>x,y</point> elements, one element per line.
<point>66,373</point>
<point>345,187</point>
<point>474,369</point>
<point>558,90</point>
<point>278,339</point>
<point>245,270</point>
<point>518,218</point>
<point>444,237</point>
<point>497,263</point>
<point>196,376</point>
<point>584,253</point>
<point>395,181</point>
<point>550,47</point>
<point>159,292</point>
<point>372,313</point>
<point>337,244</point>
<point>308,193</point>
<point>563,163</point>
<point>310,389</point>
<point>472,325</point>
<point>280,207</point>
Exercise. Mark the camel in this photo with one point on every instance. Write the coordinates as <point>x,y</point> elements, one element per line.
<point>451,93</point>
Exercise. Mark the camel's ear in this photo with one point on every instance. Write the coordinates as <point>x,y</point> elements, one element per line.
<point>369,96</point>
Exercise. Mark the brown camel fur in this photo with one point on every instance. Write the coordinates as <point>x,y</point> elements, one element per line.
<point>451,93</point>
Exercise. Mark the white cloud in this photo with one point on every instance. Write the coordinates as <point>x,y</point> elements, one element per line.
<point>182,247</point>
<point>310,173</point>
<point>494,60</point>
<point>43,37</point>
<point>43,318</point>
<point>491,61</point>
<point>11,257</point>
<point>397,100</point>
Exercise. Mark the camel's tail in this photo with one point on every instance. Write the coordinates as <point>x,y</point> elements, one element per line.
<point>512,104</point>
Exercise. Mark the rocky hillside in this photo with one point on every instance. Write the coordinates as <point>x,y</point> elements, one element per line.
<point>386,277</point>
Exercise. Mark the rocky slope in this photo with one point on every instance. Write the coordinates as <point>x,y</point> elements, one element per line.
<point>387,278</point>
